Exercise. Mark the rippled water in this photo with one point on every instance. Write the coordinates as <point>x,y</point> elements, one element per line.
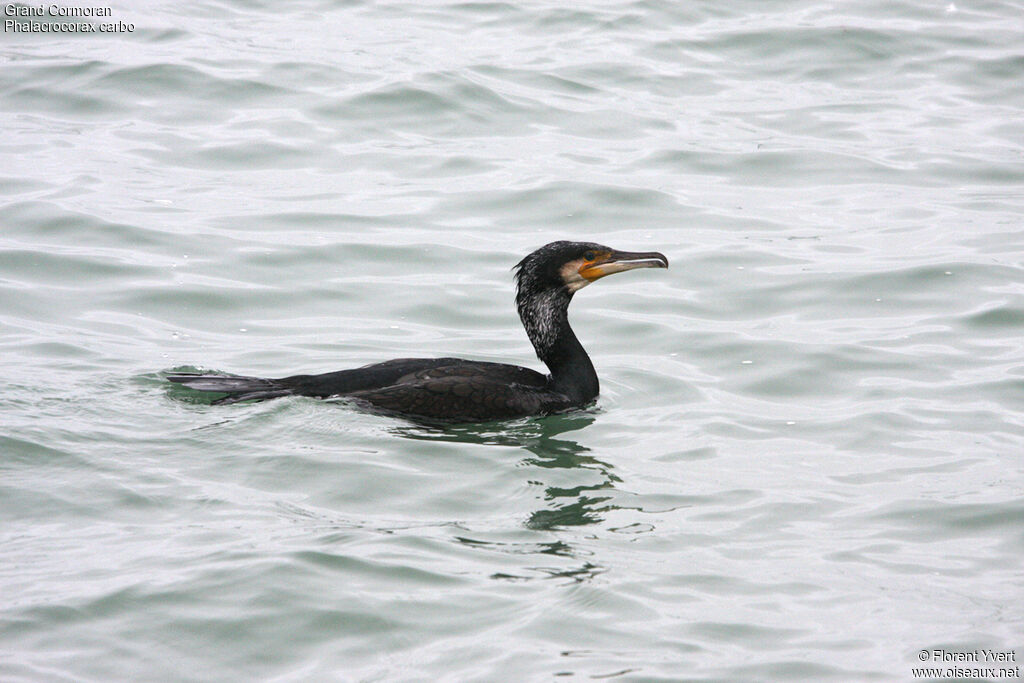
<point>806,463</point>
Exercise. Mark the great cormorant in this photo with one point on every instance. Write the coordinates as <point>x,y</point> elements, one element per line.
<point>457,390</point>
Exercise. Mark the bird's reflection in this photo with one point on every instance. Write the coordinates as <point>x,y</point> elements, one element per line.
<point>567,506</point>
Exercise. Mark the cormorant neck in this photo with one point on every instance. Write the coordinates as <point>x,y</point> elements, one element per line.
<point>545,315</point>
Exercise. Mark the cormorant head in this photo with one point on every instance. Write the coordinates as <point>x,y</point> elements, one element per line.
<point>570,266</point>
<point>547,279</point>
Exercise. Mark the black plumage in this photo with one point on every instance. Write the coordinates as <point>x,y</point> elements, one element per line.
<point>457,390</point>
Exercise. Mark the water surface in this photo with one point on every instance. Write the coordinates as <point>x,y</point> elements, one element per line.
<point>806,462</point>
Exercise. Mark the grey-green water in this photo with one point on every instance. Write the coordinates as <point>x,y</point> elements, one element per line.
<point>807,462</point>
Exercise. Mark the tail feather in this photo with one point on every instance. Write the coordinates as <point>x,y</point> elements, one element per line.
<point>251,395</point>
<point>237,388</point>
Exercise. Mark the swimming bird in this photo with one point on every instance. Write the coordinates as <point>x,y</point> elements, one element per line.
<point>457,390</point>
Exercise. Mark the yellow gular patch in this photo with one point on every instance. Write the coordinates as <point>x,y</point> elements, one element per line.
<point>591,270</point>
<point>572,275</point>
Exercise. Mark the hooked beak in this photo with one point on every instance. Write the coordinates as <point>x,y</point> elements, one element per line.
<point>619,261</point>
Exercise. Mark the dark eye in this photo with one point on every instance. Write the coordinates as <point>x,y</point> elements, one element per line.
<point>589,256</point>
